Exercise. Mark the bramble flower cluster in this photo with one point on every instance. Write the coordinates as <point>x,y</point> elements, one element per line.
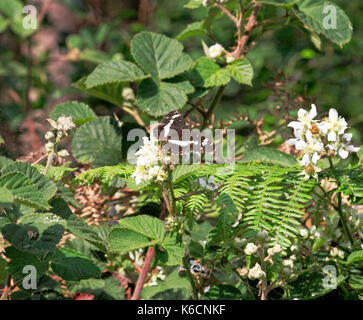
<point>150,160</point>
<point>256,272</point>
<point>316,138</point>
<point>59,130</point>
<point>335,252</point>
<point>216,51</point>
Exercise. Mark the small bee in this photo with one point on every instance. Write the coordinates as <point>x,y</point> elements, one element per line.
<point>197,269</point>
<point>32,235</point>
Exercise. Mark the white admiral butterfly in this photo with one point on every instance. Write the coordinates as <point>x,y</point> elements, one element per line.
<point>178,138</point>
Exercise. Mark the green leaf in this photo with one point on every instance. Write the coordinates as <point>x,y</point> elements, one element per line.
<point>6,197</point>
<point>124,240</point>
<point>57,173</point>
<point>3,25</point>
<point>311,13</point>
<point>111,92</point>
<point>207,74</point>
<point>355,256</point>
<point>269,155</point>
<point>148,226</point>
<point>93,138</point>
<point>241,70</point>
<point>47,226</point>
<point>192,29</point>
<point>114,71</point>
<point>46,186</point>
<point>158,55</point>
<point>160,98</point>
<point>108,289</point>
<point>4,161</point>
<point>20,259</point>
<point>223,292</point>
<point>193,4</point>
<point>284,3</point>
<point>73,266</point>
<point>185,170</point>
<point>174,250</point>
<point>80,112</point>
<point>14,10</point>
<point>23,190</point>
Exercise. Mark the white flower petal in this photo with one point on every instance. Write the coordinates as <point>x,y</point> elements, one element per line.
<point>295,124</point>
<point>324,127</point>
<point>347,137</point>
<point>301,113</point>
<point>300,145</point>
<point>292,142</point>
<point>315,158</point>
<point>333,115</point>
<point>312,113</point>
<point>332,136</point>
<point>343,153</point>
<point>351,148</point>
<point>305,160</point>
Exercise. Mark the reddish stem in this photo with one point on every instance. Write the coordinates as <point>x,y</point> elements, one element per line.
<point>142,276</point>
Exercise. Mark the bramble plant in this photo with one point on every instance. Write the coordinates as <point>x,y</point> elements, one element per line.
<point>260,224</point>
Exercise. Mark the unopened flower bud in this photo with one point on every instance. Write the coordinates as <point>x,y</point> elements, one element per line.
<point>49,135</point>
<point>216,51</point>
<point>63,153</point>
<point>128,94</point>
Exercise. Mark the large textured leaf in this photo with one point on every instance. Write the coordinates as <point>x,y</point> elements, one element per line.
<point>111,92</point>
<point>6,197</point>
<point>355,256</point>
<point>311,13</point>
<point>223,292</point>
<point>241,70</point>
<point>159,55</point>
<point>47,226</point>
<point>124,240</point>
<point>20,259</point>
<point>80,112</point>
<point>192,29</point>
<point>174,250</point>
<point>266,154</point>
<point>74,266</point>
<point>46,186</point>
<point>114,71</point>
<point>94,137</point>
<point>159,98</point>
<point>23,190</point>
<point>207,74</point>
<point>148,226</point>
<point>3,271</point>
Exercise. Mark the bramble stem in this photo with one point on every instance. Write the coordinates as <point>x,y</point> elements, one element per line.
<point>191,279</point>
<point>213,106</point>
<point>49,162</point>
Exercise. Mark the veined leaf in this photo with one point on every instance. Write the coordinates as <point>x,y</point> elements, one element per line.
<point>124,240</point>
<point>158,55</point>
<point>241,70</point>
<point>284,3</point>
<point>174,250</point>
<point>80,112</point>
<point>207,74</point>
<point>269,155</point>
<point>114,71</point>
<point>6,197</point>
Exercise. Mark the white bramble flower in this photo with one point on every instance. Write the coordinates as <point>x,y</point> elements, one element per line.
<point>250,249</point>
<point>288,263</point>
<point>275,249</point>
<point>65,123</point>
<point>256,272</point>
<point>304,121</point>
<point>335,252</point>
<point>128,94</point>
<point>310,171</point>
<point>294,248</point>
<point>63,153</point>
<point>333,126</point>
<point>216,51</point>
<point>49,147</point>
<point>150,158</point>
<point>304,233</point>
<point>49,135</point>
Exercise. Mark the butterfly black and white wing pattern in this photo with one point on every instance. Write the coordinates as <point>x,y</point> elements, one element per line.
<point>178,138</point>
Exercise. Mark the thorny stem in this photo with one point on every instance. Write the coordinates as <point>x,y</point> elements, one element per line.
<point>141,280</point>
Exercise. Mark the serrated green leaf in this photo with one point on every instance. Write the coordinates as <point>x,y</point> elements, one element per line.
<point>114,71</point>
<point>355,256</point>
<point>223,292</point>
<point>148,226</point>
<point>241,70</point>
<point>192,29</point>
<point>207,74</point>
<point>20,259</point>
<point>23,190</point>
<point>111,92</point>
<point>80,112</point>
<point>47,226</point>
<point>6,197</point>
<point>311,13</point>
<point>158,55</point>
<point>46,186</point>
<point>94,137</point>
<point>124,240</point>
<point>174,250</point>
<point>284,3</point>
<point>73,266</point>
<point>193,4</point>
<point>4,161</point>
<point>158,99</point>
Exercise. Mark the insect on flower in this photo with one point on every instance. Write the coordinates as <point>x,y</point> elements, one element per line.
<point>197,269</point>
